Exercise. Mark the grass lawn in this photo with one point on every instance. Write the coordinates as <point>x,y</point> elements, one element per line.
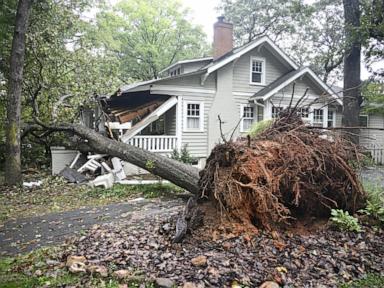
<point>369,281</point>
<point>55,195</point>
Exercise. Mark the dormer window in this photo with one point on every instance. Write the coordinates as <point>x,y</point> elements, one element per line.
<point>257,71</point>
<point>176,71</point>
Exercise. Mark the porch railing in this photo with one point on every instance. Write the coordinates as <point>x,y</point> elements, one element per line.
<point>377,153</point>
<point>155,143</point>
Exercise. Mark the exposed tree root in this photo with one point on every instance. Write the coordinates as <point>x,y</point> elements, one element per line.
<point>288,171</point>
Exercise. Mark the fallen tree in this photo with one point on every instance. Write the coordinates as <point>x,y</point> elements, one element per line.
<point>287,171</point>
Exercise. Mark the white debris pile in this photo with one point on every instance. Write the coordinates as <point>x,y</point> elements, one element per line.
<point>98,169</point>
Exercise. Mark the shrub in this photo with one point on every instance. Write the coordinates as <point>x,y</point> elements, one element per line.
<point>183,156</point>
<point>375,202</point>
<point>259,127</point>
<point>345,222</point>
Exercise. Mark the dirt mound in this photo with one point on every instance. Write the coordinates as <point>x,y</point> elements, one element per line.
<point>288,171</point>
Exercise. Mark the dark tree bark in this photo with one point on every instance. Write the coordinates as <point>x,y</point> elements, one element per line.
<point>352,83</point>
<point>182,175</point>
<point>13,162</point>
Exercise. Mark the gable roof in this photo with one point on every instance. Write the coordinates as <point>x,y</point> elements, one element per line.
<point>238,52</point>
<point>288,78</point>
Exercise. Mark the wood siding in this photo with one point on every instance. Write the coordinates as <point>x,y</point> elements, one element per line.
<point>170,121</point>
<point>241,73</point>
<point>370,137</point>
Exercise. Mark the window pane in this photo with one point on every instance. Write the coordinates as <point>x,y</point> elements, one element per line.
<point>256,77</point>
<point>248,112</point>
<point>330,118</point>
<point>276,111</point>
<point>247,123</point>
<point>363,121</point>
<point>257,66</point>
<point>193,123</point>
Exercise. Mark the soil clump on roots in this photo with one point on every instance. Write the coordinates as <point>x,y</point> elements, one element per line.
<point>288,171</point>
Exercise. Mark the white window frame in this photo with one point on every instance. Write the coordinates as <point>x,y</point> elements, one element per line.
<point>333,111</point>
<point>263,72</point>
<point>242,106</point>
<point>280,107</point>
<point>322,121</point>
<point>201,117</point>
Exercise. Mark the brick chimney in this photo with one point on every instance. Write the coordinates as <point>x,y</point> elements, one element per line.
<point>222,37</point>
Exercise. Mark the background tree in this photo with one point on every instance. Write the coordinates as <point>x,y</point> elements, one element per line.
<point>312,34</point>
<point>13,163</point>
<point>148,35</point>
<point>352,59</point>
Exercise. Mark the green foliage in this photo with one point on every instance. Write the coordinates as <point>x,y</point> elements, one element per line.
<point>370,280</point>
<point>373,94</point>
<point>259,127</point>
<point>148,35</point>
<point>183,156</point>
<point>150,165</point>
<point>375,202</point>
<point>315,29</point>
<point>345,222</point>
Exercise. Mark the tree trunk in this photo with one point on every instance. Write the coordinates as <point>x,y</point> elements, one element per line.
<point>352,83</point>
<point>13,162</point>
<point>181,174</point>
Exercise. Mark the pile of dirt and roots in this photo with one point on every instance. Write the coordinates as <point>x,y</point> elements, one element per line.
<point>288,171</point>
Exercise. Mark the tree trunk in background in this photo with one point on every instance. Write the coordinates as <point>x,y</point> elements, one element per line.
<point>183,175</point>
<point>352,83</point>
<point>13,162</point>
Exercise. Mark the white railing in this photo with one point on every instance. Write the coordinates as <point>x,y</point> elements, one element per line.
<point>154,143</point>
<point>377,153</point>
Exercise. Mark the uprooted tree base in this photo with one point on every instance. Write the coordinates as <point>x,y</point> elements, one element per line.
<point>288,171</point>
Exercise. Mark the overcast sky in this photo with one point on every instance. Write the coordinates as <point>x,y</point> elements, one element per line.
<point>203,13</point>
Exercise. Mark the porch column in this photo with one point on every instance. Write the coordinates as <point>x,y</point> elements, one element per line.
<point>179,121</point>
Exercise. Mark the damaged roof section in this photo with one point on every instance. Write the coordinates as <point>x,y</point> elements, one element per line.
<point>132,107</point>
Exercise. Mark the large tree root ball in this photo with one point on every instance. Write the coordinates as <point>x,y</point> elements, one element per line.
<point>288,171</point>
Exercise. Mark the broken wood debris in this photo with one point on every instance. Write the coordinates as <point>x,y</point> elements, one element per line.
<point>95,169</point>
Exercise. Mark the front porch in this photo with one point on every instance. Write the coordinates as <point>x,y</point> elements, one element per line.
<point>155,143</point>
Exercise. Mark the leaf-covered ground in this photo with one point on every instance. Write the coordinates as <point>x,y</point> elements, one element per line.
<point>55,195</point>
<point>131,254</point>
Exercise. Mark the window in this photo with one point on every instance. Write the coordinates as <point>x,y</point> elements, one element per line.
<point>260,113</point>
<point>363,120</point>
<point>257,71</point>
<point>318,117</point>
<point>248,117</point>
<point>194,116</point>
<point>275,111</point>
<point>331,118</point>
<point>174,72</point>
<point>303,112</point>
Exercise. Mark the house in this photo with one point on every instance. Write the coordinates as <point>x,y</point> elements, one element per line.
<point>243,85</point>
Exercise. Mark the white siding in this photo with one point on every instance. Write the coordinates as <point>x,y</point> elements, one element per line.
<point>241,73</point>
<point>170,121</point>
<point>193,81</point>
<point>197,142</point>
<point>370,137</point>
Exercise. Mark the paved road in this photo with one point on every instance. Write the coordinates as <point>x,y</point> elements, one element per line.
<point>26,234</point>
